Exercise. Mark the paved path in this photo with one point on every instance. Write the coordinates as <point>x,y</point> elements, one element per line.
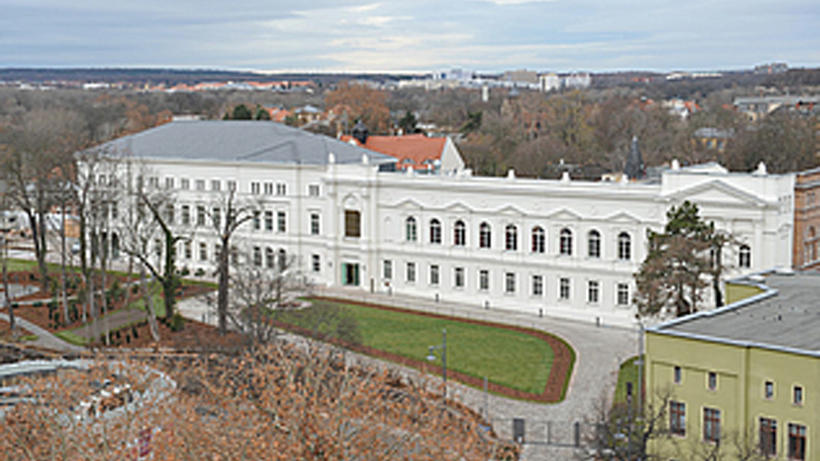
<point>44,337</point>
<point>599,352</point>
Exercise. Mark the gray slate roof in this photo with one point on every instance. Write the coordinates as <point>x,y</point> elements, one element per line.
<point>790,318</point>
<point>245,141</point>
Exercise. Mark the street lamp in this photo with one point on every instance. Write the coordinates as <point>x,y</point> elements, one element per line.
<point>431,356</point>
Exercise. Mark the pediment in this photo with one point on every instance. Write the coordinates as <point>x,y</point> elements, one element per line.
<point>408,204</point>
<point>623,217</point>
<point>564,214</point>
<point>717,192</point>
<point>458,208</point>
<point>511,210</point>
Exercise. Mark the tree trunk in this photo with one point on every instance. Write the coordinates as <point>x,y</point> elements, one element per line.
<point>63,263</point>
<point>170,279</point>
<point>148,300</point>
<point>222,294</point>
<point>6,284</point>
<point>42,248</point>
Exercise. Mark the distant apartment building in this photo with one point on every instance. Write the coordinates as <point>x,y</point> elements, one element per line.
<point>772,68</point>
<point>549,82</point>
<point>743,377</point>
<point>756,107</point>
<point>578,80</point>
<point>521,76</point>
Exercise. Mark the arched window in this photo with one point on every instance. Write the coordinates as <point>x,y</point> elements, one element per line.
<point>410,229</point>
<point>624,246</point>
<point>745,256</point>
<point>511,238</point>
<point>538,240</point>
<point>435,231</point>
<point>283,260</point>
<point>115,245</point>
<point>565,242</point>
<point>270,263</point>
<point>459,234</point>
<point>594,244</point>
<point>484,236</point>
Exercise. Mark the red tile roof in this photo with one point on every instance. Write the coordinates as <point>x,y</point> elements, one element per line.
<point>411,150</point>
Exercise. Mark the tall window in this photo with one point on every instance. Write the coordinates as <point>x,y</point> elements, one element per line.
<point>511,238</point>
<point>797,441</point>
<point>410,274</point>
<point>268,188</point>
<point>509,282</point>
<point>768,390</point>
<point>200,215</point>
<point>538,240</point>
<point>458,277</point>
<point>745,256</point>
<point>410,229</point>
<point>594,244</point>
<point>313,190</point>
<point>434,274</point>
<point>624,247</point>
<point>387,269</point>
<point>200,184</point>
<point>283,260</point>
<point>483,280</point>
<point>435,231</point>
<point>677,418</point>
<point>352,224</point>
<point>281,221</point>
<point>257,256</point>
<point>281,188</point>
<point>677,374</point>
<point>537,285</point>
<point>203,251</point>
<point>623,294</point>
<point>565,242</point>
<point>316,263</point>
<point>593,292</point>
<point>459,234</point>
<point>711,424</point>
<point>797,395</point>
<point>270,261</point>
<point>484,236</point>
<point>169,183</point>
<point>187,249</point>
<point>216,185</point>
<point>254,188</point>
<point>184,183</point>
<point>269,220</point>
<point>169,214</point>
<point>314,223</point>
<point>712,381</point>
<point>563,288</point>
<point>768,437</point>
<point>186,215</point>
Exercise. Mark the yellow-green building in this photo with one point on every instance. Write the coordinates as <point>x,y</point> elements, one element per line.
<point>743,377</point>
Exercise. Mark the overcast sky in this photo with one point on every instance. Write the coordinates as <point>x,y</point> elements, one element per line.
<point>410,35</point>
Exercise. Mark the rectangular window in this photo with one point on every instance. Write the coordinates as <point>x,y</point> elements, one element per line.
<point>677,374</point>
<point>186,215</point>
<point>797,441</point>
<point>255,188</point>
<point>711,424</point>
<point>187,249</point>
<point>281,188</point>
<point>169,214</point>
<point>153,182</point>
<point>797,395</point>
<point>352,224</point>
<point>387,269</point>
<point>216,185</point>
<point>314,223</point>
<point>434,278</point>
<point>592,292</point>
<point>483,280</point>
<point>257,220</point>
<point>200,215</point>
<point>268,188</point>
<point>270,260</point>
<point>313,190</point>
<point>269,220</point>
<point>623,294</point>
<point>232,185</point>
<point>169,182</point>
<point>563,288</point>
<point>216,218</point>
<point>203,251</point>
<point>509,282</point>
<point>410,274</point>
<point>217,251</point>
<point>316,263</point>
<point>458,277</point>
<point>257,256</point>
<point>281,222</point>
<point>184,183</point>
<point>537,285</point>
<point>677,418</point>
<point>768,437</point>
<point>712,381</point>
<point>768,390</point>
<point>200,185</point>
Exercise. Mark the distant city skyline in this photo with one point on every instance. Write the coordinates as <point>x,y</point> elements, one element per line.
<point>419,36</point>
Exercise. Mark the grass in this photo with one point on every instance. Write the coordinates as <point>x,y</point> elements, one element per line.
<point>627,373</point>
<point>510,358</point>
<point>28,338</point>
<point>156,294</point>
<point>71,337</point>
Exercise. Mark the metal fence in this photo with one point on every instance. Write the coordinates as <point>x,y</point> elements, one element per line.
<point>569,434</point>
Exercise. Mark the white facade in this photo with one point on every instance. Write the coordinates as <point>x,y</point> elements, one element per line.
<point>303,209</point>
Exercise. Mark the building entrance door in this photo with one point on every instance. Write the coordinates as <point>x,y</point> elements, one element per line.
<point>350,274</point>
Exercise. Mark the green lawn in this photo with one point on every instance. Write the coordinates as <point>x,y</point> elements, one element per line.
<point>513,359</point>
<point>627,373</point>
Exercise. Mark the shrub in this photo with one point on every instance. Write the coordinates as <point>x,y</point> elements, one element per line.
<point>37,304</point>
<point>127,339</point>
<point>199,272</point>
<point>134,332</point>
<point>185,271</point>
<point>135,289</point>
<point>177,322</point>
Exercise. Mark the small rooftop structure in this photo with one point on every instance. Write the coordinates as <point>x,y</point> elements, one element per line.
<point>785,316</point>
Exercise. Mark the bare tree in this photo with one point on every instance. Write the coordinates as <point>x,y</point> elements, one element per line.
<point>4,255</point>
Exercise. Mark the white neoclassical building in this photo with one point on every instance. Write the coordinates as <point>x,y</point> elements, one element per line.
<point>560,247</point>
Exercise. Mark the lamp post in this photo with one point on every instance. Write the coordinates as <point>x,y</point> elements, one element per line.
<point>431,356</point>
